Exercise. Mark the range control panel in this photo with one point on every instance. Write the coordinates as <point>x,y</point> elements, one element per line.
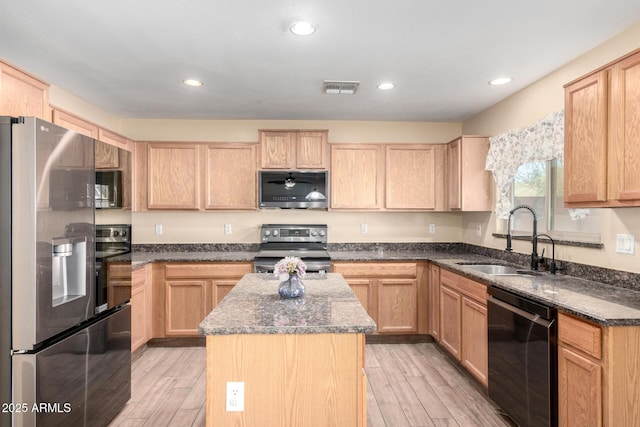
<point>311,233</point>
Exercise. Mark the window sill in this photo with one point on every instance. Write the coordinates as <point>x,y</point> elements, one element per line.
<point>558,242</point>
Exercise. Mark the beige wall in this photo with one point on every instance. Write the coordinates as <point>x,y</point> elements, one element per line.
<point>526,107</point>
<point>247,130</point>
<point>208,227</point>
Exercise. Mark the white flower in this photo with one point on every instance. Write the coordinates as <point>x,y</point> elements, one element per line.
<point>288,266</point>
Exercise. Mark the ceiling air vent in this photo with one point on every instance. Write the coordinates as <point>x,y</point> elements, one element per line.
<point>340,87</point>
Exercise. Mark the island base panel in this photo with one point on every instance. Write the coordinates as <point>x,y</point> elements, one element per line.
<point>289,379</point>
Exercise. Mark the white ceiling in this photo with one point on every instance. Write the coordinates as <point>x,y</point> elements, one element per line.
<point>129,57</point>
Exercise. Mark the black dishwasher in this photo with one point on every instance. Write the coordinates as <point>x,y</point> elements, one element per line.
<point>523,361</point>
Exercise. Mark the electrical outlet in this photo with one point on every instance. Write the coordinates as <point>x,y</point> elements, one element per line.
<point>625,244</point>
<point>235,396</point>
<point>478,230</point>
<point>363,228</point>
<point>227,229</point>
<point>158,229</point>
<point>432,228</point>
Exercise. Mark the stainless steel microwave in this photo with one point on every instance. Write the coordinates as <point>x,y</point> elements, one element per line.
<point>293,189</point>
<point>108,189</point>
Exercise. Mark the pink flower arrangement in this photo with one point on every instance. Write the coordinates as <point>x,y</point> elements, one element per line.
<point>288,266</point>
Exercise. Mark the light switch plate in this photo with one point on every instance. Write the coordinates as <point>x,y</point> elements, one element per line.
<point>625,244</point>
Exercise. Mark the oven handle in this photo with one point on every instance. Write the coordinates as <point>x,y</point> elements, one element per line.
<point>535,318</point>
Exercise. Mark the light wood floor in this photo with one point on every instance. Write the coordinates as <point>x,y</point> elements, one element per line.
<point>408,385</point>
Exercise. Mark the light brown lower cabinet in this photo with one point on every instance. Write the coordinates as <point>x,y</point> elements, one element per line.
<point>463,322</point>
<point>192,290</point>
<point>123,283</point>
<point>598,374</point>
<point>140,308</point>
<point>393,293</point>
<point>434,301</point>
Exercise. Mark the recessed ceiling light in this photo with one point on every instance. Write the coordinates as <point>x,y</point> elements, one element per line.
<point>192,82</point>
<point>500,81</point>
<point>302,28</point>
<point>386,86</point>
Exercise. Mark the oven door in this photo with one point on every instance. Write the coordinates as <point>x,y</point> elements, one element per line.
<point>113,282</point>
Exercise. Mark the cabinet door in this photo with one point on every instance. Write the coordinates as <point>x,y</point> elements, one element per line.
<point>185,306</point>
<point>22,95</point>
<point>411,177</point>
<point>106,156</point>
<point>220,289</point>
<point>585,140</point>
<point>450,319</point>
<point>357,176</point>
<point>474,339</point>
<point>75,124</point>
<point>579,390</point>
<point>311,150</point>
<point>434,301</point>
<point>362,289</point>
<point>397,306</point>
<point>114,139</point>
<point>173,176</point>
<point>138,317</point>
<point>454,156</point>
<point>624,134</point>
<point>277,150</point>
<point>230,177</point>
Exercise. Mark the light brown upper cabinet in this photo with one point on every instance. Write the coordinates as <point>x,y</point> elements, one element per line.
<point>75,123</point>
<point>22,94</point>
<point>293,149</point>
<point>415,177</point>
<point>173,176</point>
<point>194,176</point>
<point>357,176</point>
<point>114,139</point>
<point>106,156</point>
<point>602,126</point>
<point>230,176</point>
<point>469,184</point>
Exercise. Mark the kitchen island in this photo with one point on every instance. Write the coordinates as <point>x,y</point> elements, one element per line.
<point>301,361</point>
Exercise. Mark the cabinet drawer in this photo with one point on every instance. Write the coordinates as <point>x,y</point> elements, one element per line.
<point>122,270</point>
<point>376,269</point>
<point>206,270</point>
<point>580,335</point>
<point>468,287</point>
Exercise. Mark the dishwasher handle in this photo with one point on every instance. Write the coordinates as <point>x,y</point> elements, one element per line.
<point>535,318</point>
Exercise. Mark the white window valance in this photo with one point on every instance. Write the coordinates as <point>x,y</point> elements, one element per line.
<point>540,142</point>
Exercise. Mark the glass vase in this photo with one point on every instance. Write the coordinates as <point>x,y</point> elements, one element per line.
<point>291,288</point>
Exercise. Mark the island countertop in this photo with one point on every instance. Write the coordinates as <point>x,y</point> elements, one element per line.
<point>254,306</point>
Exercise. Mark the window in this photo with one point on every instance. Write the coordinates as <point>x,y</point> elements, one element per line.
<point>540,185</point>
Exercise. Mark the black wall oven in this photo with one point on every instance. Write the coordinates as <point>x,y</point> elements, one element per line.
<point>523,363</point>
<point>112,242</point>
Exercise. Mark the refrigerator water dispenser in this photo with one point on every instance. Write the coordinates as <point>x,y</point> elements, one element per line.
<point>69,266</point>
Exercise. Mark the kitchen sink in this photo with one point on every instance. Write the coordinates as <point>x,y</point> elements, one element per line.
<point>498,269</point>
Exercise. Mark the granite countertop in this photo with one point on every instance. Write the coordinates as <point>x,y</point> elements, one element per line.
<point>602,304</point>
<point>254,307</point>
<point>139,259</point>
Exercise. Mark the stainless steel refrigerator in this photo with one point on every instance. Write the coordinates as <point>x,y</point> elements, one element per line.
<point>62,364</point>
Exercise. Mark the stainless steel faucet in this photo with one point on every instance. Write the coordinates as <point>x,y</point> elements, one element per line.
<point>534,240</point>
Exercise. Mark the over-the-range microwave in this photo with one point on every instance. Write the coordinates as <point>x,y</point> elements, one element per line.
<point>293,189</point>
